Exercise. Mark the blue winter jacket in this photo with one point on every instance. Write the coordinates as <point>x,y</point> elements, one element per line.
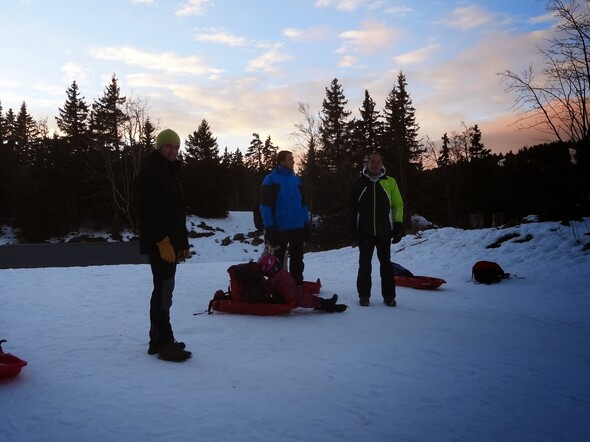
<point>282,203</point>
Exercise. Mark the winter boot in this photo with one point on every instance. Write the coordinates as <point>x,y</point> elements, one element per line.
<point>172,352</point>
<point>364,301</point>
<point>390,302</point>
<point>154,347</point>
<point>330,306</point>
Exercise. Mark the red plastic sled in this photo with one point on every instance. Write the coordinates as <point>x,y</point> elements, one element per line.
<point>10,365</point>
<point>220,303</point>
<point>419,282</point>
<point>250,308</point>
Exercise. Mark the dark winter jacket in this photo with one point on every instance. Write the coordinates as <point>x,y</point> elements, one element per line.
<point>161,204</point>
<point>374,205</point>
<point>281,202</point>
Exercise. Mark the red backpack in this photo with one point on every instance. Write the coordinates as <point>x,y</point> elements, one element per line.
<point>488,272</point>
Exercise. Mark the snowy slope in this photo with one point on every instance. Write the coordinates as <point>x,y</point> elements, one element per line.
<point>466,362</point>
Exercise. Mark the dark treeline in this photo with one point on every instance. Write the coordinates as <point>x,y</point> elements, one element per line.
<point>84,176</point>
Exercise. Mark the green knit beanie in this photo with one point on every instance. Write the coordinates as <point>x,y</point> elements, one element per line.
<point>165,137</point>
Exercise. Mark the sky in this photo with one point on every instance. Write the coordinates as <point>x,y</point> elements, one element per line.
<point>245,65</point>
<point>465,362</point>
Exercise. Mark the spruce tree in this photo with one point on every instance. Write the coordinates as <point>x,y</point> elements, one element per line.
<point>106,159</point>
<point>73,117</point>
<point>205,195</point>
<point>400,132</point>
<point>254,158</point>
<point>107,116</point>
<point>444,159</point>
<point>24,135</point>
<point>334,128</point>
<point>365,132</point>
<point>148,136</point>
<point>476,147</point>
<point>269,154</point>
<point>3,128</point>
<point>201,145</point>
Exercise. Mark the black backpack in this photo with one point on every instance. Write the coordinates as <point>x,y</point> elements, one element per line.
<point>247,284</point>
<point>488,272</point>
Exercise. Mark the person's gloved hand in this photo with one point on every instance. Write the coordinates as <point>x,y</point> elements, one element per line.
<point>166,250</point>
<point>398,232</point>
<point>269,235</point>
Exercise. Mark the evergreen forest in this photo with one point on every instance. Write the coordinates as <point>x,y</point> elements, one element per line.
<point>84,176</point>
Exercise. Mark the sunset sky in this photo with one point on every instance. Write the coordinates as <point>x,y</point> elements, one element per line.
<point>244,65</point>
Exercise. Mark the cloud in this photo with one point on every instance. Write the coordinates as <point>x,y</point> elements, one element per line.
<point>192,7</point>
<point>399,10</point>
<point>467,88</point>
<point>347,61</point>
<point>73,71</point>
<point>306,35</point>
<point>221,37</point>
<point>342,5</point>
<point>268,61</point>
<point>48,88</point>
<point>9,83</point>
<point>147,2</point>
<point>417,56</point>
<point>372,36</point>
<point>163,61</point>
<point>469,17</point>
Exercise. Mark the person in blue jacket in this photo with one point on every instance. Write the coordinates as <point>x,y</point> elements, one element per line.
<point>285,213</point>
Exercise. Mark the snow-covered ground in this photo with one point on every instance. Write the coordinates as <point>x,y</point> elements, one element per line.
<point>467,362</point>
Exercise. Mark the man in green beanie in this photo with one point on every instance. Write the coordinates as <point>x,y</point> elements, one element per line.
<point>163,237</point>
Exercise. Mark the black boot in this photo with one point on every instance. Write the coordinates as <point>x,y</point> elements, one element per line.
<point>330,306</point>
<point>154,347</point>
<point>172,352</point>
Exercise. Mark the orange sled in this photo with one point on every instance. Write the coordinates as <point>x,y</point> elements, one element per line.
<point>222,302</point>
<point>419,282</point>
<point>10,365</point>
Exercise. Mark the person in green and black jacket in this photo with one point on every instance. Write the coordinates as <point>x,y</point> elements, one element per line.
<point>376,213</point>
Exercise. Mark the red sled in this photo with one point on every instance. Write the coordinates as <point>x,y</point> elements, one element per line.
<point>10,365</point>
<point>249,293</point>
<point>222,302</point>
<point>249,308</point>
<point>419,282</point>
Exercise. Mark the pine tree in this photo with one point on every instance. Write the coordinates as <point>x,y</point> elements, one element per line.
<point>370,126</point>
<point>476,147</point>
<point>444,158</point>
<point>201,146</point>
<point>73,117</point>
<point>24,134</point>
<point>335,160</point>
<point>402,149</point>
<point>148,137</point>
<point>365,132</point>
<point>3,128</point>
<point>333,128</point>
<point>10,127</point>
<point>107,116</point>
<point>8,164</point>
<point>269,154</point>
<point>254,157</point>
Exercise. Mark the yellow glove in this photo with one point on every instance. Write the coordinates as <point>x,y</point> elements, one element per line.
<point>166,250</point>
<point>183,255</point>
